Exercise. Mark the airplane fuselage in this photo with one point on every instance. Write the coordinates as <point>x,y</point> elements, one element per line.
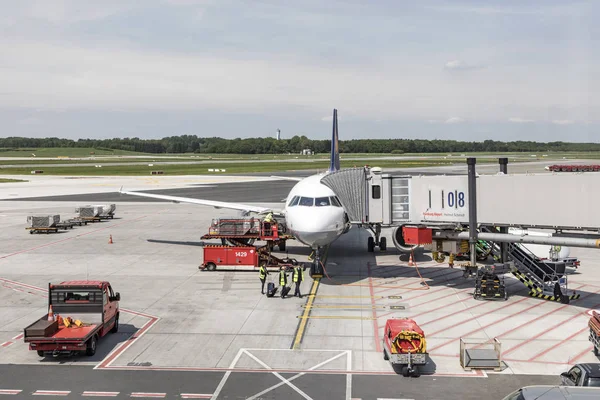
<point>313,213</point>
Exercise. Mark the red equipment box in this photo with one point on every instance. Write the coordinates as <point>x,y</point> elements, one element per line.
<point>230,256</point>
<point>416,235</point>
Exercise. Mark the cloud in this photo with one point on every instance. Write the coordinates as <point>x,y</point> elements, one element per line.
<point>563,122</point>
<point>519,120</point>
<point>457,65</point>
<point>454,120</point>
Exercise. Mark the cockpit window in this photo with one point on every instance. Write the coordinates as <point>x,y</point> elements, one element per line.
<point>294,201</point>
<point>306,201</point>
<point>322,201</point>
<point>335,202</point>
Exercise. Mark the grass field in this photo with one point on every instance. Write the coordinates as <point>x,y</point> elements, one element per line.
<point>4,180</point>
<point>86,152</point>
<point>230,168</point>
<point>65,152</point>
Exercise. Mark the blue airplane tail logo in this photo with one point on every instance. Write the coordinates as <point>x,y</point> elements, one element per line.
<point>334,165</point>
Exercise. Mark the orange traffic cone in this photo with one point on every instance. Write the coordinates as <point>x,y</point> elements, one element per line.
<point>110,240</point>
<point>411,263</point>
<point>50,314</point>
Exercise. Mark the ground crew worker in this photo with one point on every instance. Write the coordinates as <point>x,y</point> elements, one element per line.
<point>262,275</point>
<point>298,277</point>
<point>282,280</point>
<point>269,217</point>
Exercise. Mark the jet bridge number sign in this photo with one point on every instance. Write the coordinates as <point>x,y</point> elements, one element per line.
<point>446,202</point>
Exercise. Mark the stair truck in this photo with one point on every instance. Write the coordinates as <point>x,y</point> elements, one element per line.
<point>404,346</point>
<point>594,337</point>
<point>79,314</point>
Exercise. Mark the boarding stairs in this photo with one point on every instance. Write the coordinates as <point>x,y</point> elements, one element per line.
<point>545,279</point>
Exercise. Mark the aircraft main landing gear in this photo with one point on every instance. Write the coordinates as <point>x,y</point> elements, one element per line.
<point>379,241</point>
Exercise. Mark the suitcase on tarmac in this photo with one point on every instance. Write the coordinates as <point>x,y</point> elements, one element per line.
<point>271,289</point>
<point>285,290</point>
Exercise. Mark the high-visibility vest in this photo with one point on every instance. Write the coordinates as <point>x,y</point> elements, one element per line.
<point>298,275</point>
<point>262,272</point>
<point>282,278</point>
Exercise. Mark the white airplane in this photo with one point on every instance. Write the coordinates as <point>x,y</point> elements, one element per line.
<point>312,211</point>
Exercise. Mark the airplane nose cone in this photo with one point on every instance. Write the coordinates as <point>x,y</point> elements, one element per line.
<point>315,227</point>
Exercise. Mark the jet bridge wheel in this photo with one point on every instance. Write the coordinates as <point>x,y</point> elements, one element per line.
<point>383,244</point>
<point>371,244</point>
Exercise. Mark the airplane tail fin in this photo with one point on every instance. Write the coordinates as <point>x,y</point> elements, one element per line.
<point>334,165</point>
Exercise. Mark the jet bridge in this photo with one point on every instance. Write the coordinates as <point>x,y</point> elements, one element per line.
<point>479,207</point>
<point>555,201</point>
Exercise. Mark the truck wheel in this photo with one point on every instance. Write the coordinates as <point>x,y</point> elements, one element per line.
<point>40,353</point>
<point>282,245</point>
<point>211,266</point>
<point>91,347</point>
<point>385,356</point>
<point>115,327</point>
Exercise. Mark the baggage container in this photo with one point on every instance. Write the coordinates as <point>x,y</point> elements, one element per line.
<point>43,221</point>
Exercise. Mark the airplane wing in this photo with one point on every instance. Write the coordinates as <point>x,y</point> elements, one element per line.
<point>287,178</point>
<point>215,204</point>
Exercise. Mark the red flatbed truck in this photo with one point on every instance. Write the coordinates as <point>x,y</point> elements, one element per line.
<point>92,303</point>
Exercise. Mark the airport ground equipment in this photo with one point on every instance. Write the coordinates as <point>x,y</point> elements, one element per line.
<point>247,231</point>
<point>480,354</point>
<point>574,168</point>
<point>79,314</point>
<point>594,325</point>
<point>96,212</point>
<point>488,285</point>
<point>43,223</point>
<point>237,251</point>
<point>404,346</point>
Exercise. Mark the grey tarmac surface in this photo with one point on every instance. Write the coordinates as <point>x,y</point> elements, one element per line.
<point>249,192</point>
<point>244,385</point>
<point>207,318</point>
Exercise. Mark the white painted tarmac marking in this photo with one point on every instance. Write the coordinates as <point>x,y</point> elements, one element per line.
<point>100,394</point>
<point>52,392</point>
<point>297,375</point>
<point>143,394</point>
<point>348,375</point>
<point>10,391</point>
<point>226,376</point>
<point>195,396</point>
<point>287,382</point>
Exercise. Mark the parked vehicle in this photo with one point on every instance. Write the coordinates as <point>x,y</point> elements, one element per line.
<point>582,375</point>
<point>79,314</point>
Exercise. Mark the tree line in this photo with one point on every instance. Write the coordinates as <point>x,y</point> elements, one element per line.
<point>195,144</point>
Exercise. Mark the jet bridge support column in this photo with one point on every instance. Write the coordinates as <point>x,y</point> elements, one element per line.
<point>471,161</point>
<point>503,246</point>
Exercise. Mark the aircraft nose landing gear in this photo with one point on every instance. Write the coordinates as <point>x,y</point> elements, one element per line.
<point>316,268</point>
<point>379,241</point>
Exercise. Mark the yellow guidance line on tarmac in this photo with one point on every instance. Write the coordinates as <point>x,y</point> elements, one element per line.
<point>353,307</point>
<point>304,317</point>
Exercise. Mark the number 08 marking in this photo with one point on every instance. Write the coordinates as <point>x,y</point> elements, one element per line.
<point>456,198</point>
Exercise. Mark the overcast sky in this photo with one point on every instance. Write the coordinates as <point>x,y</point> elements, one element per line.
<point>467,70</point>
